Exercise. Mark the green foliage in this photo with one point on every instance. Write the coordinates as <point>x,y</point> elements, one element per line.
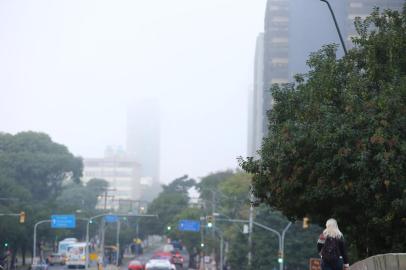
<point>337,145</point>
<point>33,170</point>
<point>76,196</point>
<point>170,202</point>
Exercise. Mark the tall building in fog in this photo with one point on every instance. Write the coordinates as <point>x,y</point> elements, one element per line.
<point>143,138</point>
<point>276,51</point>
<point>292,30</point>
<point>255,106</point>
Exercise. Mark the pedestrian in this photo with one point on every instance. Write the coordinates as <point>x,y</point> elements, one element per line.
<point>331,247</point>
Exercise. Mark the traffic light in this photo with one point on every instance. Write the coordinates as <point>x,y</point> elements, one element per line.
<point>202,244</point>
<point>6,245</point>
<point>280,257</point>
<point>209,220</point>
<point>169,228</point>
<point>306,222</point>
<point>22,217</point>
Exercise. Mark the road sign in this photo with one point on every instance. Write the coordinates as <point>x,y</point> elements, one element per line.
<point>314,264</point>
<point>93,257</point>
<point>111,218</point>
<point>189,225</point>
<point>63,221</point>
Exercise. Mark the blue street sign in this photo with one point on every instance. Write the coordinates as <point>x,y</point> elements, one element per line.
<point>63,221</point>
<point>189,225</point>
<point>111,218</point>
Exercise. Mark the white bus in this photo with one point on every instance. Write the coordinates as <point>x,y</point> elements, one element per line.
<point>63,245</point>
<point>76,255</point>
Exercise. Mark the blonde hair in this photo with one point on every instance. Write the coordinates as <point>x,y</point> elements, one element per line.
<point>332,229</point>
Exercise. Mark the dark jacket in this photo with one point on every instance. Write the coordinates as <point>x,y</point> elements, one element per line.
<point>341,246</point>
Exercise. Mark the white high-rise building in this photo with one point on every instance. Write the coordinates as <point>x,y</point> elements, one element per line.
<point>120,171</point>
<point>255,106</point>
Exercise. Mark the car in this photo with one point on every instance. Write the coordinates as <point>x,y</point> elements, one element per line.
<point>157,264</point>
<point>55,258</point>
<point>135,265</point>
<point>177,259</point>
<point>162,255</point>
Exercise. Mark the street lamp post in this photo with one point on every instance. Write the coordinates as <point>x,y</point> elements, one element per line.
<point>336,24</point>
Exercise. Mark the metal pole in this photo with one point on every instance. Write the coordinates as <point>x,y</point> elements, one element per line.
<point>34,248</point>
<point>87,244</point>
<point>221,252</point>
<point>137,229</point>
<point>103,222</point>
<point>118,241</point>
<point>336,24</point>
<point>283,243</point>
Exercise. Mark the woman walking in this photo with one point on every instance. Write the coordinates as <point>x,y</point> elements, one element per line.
<point>331,248</point>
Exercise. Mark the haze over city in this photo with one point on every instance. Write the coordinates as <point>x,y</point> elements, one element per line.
<point>72,68</point>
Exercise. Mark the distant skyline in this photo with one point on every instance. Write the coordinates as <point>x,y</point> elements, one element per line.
<point>71,68</point>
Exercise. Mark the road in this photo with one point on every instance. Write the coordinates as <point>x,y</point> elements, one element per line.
<point>143,258</point>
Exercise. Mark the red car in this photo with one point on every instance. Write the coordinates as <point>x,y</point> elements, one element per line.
<point>135,265</point>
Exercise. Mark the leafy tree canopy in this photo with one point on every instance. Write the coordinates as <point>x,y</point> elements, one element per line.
<point>336,145</point>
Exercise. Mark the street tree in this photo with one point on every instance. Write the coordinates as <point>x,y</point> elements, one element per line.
<point>33,170</point>
<point>336,145</point>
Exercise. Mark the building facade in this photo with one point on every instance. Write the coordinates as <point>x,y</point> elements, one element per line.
<point>275,53</point>
<point>255,106</point>
<point>120,171</point>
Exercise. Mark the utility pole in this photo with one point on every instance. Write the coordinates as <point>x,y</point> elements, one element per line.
<point>118,242</point>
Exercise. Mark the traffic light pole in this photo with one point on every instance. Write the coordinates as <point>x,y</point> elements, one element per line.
<point>34,248</point>
<point>281,237</point>
<point>103,215</point>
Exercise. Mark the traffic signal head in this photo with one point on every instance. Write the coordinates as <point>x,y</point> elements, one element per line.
<point>5,244</point>
<point>306,222</point>
<point>169,228</point>
<point>22,217</point>
<point>209,220</point>
<point>280,257</point>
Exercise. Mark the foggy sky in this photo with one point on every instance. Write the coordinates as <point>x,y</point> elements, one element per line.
<point>71,68</point>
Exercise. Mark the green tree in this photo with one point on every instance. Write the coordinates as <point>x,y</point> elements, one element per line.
<point>33,170</point>
<point>170,202</point>
<point>336,145</point>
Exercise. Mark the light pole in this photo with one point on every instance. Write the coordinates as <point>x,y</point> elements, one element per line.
<point>34,248</point>
<point>118,231</point>
<point>336,24</point>
<point>281,237</point>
